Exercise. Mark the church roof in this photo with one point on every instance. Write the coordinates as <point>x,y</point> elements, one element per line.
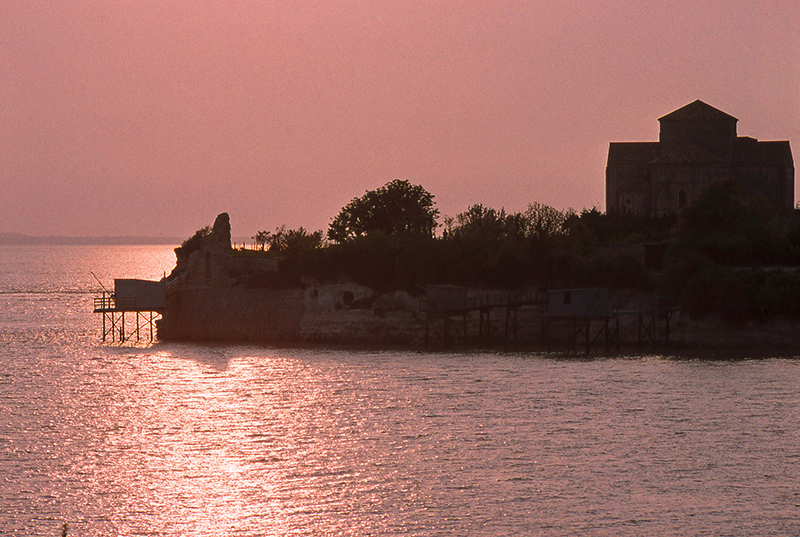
<point>689,154</point>
<point>752,152</point>
<point>747,151</point>
<point>632,152</point>
<point>697,111</point>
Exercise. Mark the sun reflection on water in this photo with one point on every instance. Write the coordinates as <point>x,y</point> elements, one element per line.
<point>187,445</point>
<point>215,440</point>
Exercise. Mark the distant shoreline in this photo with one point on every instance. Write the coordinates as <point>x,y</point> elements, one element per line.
<point>18,239</point>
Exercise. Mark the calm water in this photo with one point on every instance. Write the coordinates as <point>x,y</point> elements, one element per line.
<point>236,440</point>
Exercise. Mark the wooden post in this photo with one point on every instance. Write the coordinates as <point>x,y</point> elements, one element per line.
<point>655,335</point>
<point>427,328</point>
<point>588,335</point>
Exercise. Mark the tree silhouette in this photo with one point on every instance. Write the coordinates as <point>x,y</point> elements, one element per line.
<point>261,238</point>
<point>396,207</point>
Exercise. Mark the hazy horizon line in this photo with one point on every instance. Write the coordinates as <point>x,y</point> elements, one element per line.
<point>23,239</point>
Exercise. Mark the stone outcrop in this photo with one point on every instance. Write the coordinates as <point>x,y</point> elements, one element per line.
<point>209,262</point>
<point>208,299</point>
<point>210,265</point>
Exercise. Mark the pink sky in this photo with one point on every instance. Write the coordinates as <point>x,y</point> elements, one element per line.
<point>149,117</point>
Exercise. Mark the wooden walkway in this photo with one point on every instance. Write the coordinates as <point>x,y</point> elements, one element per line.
<point>447,326</point>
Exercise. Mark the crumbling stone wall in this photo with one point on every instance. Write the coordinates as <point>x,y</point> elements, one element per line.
<point>339,313</point>
<point>350,313</point>
<point>215,314</point>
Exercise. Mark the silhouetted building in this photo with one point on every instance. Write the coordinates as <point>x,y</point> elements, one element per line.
<point>697,146</point>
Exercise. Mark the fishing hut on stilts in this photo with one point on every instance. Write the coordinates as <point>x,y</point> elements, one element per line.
<point>448,309</point>
<point>142,300</point>
<point>582,319</point>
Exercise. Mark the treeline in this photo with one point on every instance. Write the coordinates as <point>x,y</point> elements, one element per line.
<point>735,257</point>
<point>391,238</point>
<point>720,249</point>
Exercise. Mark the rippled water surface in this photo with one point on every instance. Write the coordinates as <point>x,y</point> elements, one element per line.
<point>176,439</point>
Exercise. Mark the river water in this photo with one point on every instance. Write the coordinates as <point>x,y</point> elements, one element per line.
<point>185,439</point>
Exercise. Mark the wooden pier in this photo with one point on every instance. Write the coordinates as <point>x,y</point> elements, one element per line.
<point>654,317</point>
<point>143,301</point>
<point>570,320</point>
<point>447,309</point>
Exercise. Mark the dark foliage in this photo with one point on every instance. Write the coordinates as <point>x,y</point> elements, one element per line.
<point>383,262</point>
<point>193,243</point>
<point>740,295</point>
<point>396,207</point>
<point>495,249</point>
<point>616,228</point>
<point>481,247</point>
<point>607,267</point>
<point>294,241</point>
<point>261,238</point>
<point>726,228</point>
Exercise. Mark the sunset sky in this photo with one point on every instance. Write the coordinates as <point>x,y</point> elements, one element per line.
<point>149,117</point>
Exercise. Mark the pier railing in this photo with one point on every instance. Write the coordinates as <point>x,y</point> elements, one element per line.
<point>110,302</point>
<point>106,302</point>
<point>495,299</point>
